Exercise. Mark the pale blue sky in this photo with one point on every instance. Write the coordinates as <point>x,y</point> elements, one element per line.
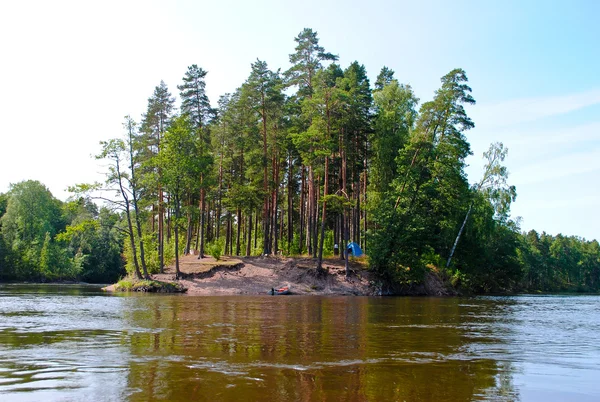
<point>71,70</point>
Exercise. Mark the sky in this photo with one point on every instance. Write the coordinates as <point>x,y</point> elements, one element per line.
<point>71,70</point>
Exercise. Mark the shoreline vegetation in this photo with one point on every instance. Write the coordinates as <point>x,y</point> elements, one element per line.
<point>293,163</point>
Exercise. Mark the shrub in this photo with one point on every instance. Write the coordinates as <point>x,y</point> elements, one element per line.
<point>215,250</point>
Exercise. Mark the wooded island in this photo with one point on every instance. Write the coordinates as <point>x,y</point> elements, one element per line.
<point>293,163</point>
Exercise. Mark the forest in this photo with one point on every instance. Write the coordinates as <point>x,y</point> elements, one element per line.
<point>292,163</point>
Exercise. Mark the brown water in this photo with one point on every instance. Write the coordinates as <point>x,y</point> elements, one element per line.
<point>77,343</point>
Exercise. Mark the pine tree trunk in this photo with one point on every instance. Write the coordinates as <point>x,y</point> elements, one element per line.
<point>219,202</point>
<point>176,228</point>
<point>249,242</point>
<point>365,226</point>
<point>281,226</point>
<point>188,234</point>
<point>290,206</point>
<point>345,249</point>
<point>274,228</point>
<point>266,217</point>
<point>228,237</point>
<point>168,219</point>
<point>202,220</point>
<point>311,206</point>
<point>256,230</point>
<point>153,218</point>
<point>343,225</point>
<point>315,234</point>
<point>208,235</point>
<point>239,226</point>
<point>265,224</point>
<point>138,224</point>
<point>302,211</point>
<point>138,274</point>
<point>357,236</point>
<point>161,243</point>
<point>336,231</point>
<point>197,242</point>
<point>275,236</point>
<point>323,216</point>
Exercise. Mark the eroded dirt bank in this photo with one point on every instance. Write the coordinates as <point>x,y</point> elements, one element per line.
<point>257,275</point>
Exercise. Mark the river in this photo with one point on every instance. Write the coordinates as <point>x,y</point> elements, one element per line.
<point>75,343</point>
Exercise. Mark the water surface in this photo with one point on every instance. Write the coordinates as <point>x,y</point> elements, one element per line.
<point>78,343</point>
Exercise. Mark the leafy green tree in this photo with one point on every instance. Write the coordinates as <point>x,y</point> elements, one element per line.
<point>355,149</point>
<point>119,182</point>
<point>317,142</point>
<point>395,116</point>
<point>4,253</point>
<point>155,122</point>
<point>430,188</point>
<point>55,263</point>
<point>222,141</point>
<point>5,271</point>
<point>263,90</point>
<point>134,185</point>
<point>180,167</point>
<point>488,261</point>
<point>62,252</point>
<point>31,212</point>
<point>3,203</point>
<point>236,137</point>
<point>384,78</point>
<point>494,187</point>
<point>530,257</point>
<point>196,105</point>
<point>306,61</point>
<point>559,263</point>
<point>93,242</point>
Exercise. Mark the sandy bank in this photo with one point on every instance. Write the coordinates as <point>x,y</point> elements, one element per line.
<point>257,275</point>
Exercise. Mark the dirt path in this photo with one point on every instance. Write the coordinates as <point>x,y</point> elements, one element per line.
<point>257,275</point>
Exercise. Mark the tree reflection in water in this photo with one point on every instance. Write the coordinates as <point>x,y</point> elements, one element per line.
<point>316,348</point>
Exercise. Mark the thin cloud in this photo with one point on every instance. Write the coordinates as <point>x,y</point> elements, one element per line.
<point>512,112</point>
<point>567,135</point>
<point>562,204</point>
<point>528,144</point>
<point>549,170</point>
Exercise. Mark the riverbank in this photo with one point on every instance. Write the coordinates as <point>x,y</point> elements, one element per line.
<point>257,275</point>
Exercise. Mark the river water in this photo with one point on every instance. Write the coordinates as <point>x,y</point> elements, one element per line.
<point>78,343</point>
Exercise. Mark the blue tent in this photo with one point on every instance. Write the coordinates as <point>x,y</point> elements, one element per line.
<point>354,249</point>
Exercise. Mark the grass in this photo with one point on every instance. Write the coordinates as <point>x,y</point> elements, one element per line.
<point>145,285</point>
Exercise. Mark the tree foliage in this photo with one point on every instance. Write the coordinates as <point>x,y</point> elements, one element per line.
<point>294,163</point>
<point>44,239</point>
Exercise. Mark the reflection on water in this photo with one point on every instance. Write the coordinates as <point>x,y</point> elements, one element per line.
<point>75,343</point>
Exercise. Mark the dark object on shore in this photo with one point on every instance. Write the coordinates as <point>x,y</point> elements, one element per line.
<point>282,290</point>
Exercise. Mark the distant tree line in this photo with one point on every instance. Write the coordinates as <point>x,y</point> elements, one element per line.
<point>559,263</point>
<point>294,162</point>
<point>44,239</point>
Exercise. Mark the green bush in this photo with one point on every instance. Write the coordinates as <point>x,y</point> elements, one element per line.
<point>215,250</point>
<point>134,285</point>
<point>328,244</point>
<point>124,284</point>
